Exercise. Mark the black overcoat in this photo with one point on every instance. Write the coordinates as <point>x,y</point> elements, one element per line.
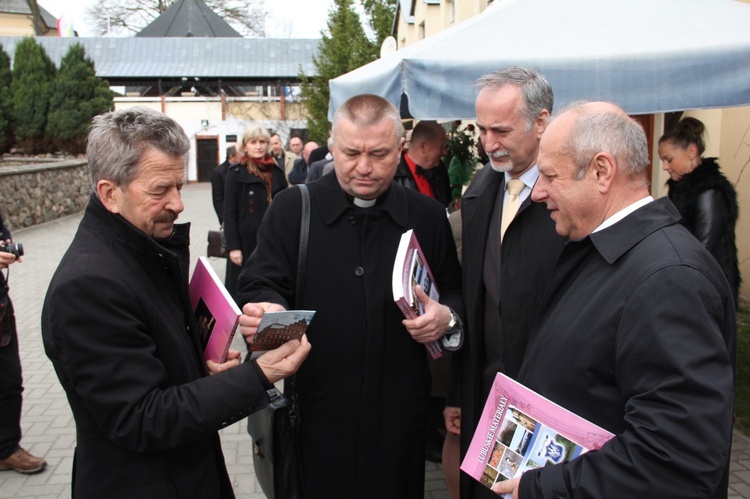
<point>245,203</point>
<point>365,385</point>
<point>637,334</point>
<point>119,329</point>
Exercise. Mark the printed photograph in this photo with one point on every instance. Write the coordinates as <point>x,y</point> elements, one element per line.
<point>205,321</point>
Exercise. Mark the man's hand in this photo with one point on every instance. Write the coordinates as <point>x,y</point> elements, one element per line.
<point>235,256</point>
<point>233,360</point>
<point>251,315</point>
<point>507,487</point>
<point>452,416</point>
<point>284,361</point>
<point>431,325</point>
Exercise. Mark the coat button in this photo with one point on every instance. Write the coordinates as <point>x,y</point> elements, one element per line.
<point>352,220</point>
<point>359,271</point>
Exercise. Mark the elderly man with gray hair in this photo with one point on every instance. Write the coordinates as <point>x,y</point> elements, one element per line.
<point>119,328</point>
<point>637,330</point>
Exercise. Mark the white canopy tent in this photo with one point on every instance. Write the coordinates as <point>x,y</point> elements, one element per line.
<point>648,56</point>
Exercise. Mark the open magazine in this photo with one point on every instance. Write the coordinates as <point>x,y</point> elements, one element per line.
<point>216,313</point>
<point>409,270</point>
<point>521,430</point>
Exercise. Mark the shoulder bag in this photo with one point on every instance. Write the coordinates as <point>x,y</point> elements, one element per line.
<point>275,429</point>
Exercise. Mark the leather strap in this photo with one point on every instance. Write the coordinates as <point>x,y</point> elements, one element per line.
<point>304,236</point>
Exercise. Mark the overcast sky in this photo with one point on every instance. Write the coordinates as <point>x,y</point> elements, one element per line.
<point>286,18</point>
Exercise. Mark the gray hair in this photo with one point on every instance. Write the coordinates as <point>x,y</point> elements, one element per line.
<point>612,132</point>
<point>118,139</point>
<point>367,110</point>
<point>536,90</point>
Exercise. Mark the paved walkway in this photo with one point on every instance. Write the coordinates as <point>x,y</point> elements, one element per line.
<point>48,426</point>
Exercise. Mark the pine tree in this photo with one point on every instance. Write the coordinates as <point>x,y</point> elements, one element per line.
<point>380,14</point>
<point>33,74</point>
<point>77,96</point>
<point>344,47</point>
<point>6,131</point>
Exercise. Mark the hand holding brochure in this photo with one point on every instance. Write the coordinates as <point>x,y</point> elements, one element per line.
<point>409,270</point>
<point>276,328</point>
<point>216,313</point>
<point>520,430</point>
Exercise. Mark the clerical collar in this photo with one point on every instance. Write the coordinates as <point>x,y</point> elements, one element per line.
<point>365,203</point>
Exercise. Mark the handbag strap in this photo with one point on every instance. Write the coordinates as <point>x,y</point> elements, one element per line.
<point>304,236</point>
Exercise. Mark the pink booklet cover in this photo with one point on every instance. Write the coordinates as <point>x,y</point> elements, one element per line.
<point>521,430</point>
<point>216,313</point>
<point>409,270</point>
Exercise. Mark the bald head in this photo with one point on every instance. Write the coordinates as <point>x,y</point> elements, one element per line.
<point>427,144</point>
<point>309,148</point>
<point>593,162</point>
<point>604,127</point>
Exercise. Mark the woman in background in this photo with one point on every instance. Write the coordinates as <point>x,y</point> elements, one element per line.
<point>248,191</point>
<point>705,198</point>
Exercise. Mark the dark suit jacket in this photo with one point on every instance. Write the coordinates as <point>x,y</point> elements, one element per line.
<point>529,252</point>
<point>298,175</point>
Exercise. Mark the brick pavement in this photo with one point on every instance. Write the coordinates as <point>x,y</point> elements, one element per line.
<point>47,422</point>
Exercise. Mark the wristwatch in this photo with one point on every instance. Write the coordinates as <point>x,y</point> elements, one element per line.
<point>455,323</point>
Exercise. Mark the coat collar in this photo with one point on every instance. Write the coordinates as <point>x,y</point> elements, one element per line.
<point>615,241</point>
<point>334,202</point>
<point>178,244</point>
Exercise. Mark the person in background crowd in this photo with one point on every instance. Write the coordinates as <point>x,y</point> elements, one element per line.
<point>421,167</point>
<point>364,389</point>
<point>295,146</point>
<point>321,152</point>
<point>322,166</point>
<point>12,455</point>
<point>250,188</point>
<point>504,275</point>
<point>219,177</point>
<point>301,167</point>
<point>704,197</point>
<point>120,331</point>
<point>284,159</point>
<point>637,332</point>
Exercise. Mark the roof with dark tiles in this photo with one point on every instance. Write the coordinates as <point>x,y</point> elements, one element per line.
<point>189,18</point>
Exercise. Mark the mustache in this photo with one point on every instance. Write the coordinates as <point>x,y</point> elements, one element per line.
<point>499,154</point>
<point>167,216</point>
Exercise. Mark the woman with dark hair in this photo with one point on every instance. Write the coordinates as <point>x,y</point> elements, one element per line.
<point>705,198</point>
<point>248,191</point>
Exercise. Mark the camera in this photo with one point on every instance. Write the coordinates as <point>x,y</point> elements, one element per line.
<point>15,248</point>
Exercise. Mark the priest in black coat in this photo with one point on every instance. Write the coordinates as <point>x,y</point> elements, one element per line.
<point>365,386</point>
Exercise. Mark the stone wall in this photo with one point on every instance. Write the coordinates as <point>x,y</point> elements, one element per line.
<point>33,191</point>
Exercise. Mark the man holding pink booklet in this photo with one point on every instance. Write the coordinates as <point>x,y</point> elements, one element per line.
<point>637,330</point>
